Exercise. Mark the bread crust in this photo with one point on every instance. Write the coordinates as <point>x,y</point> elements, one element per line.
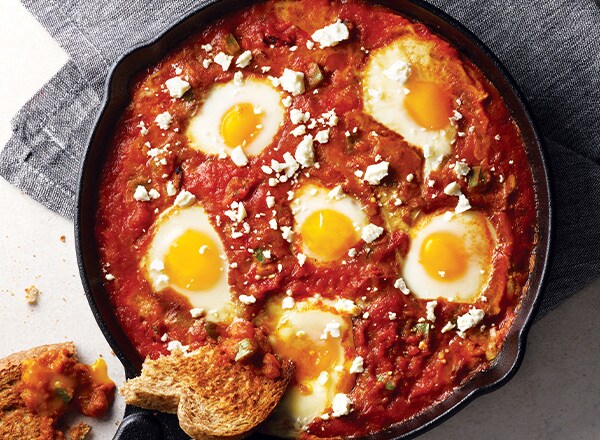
<point>213,399</point>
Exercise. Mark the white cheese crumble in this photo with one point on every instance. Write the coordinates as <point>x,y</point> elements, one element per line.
<point>344,305</point>
<point>410,177</point>
<point>292,82</point>
<point>241,212</point>
<point>223,60</point>
<point>322,136</point>
<point>288,303</point>
<point>153,194</point>
<point>273,224</point>
<point>161,282</point>
<point>207,47</point>
<point>462,205</point>
<point>143,129</point>
<point>196,312</point>
<point>469,319</point>
<point>238,79</point>
<point>177,86</point>
<point>177,346</point>
<point>398,72</point>
<point>357,365</point>
<point>109,277</point>
<point>341,405</point>
<point>171,190</point>
<point>287,233</point>
<point>247,299</point>
<point>430,306</point>
<point>461,169</point>
<point>376,172</point>
<point>453,189</point>
<point>352,252</point>
<point>305,154</point>
<point>400,284</point>
<point>298,116</point>
<point>336,193</point>
<point>332,329</point>
<point>300,130</point>
<point>331,35</point>
<point>287,101</point>
<point>371,232</point>
<point>141,194</point>
<point>239,157</point>
<point>270,201</point>
<point>164,120</point>
<point>244,59</point>
<point>184,198</point>
<point>301,259</point>
<point>449,326</point>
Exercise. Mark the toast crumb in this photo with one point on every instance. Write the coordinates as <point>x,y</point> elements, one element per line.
<point>32,294</point>
<point>63,238</point>
<point>213,397</point>
<point>79,431</point>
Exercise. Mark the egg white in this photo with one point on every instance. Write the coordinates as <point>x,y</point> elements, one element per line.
<point>168,227</point>
<point>479,238</point>
<point>203,130</point>
<point>312,197</point>
<point>298,408</point>
<point>384,98</point>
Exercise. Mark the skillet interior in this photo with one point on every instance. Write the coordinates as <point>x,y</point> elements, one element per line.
<point>116,99</point>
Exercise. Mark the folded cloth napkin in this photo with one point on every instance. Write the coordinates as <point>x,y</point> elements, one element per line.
<point>552,49</point>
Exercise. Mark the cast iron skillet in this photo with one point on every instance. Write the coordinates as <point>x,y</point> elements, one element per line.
<point>141,424</point>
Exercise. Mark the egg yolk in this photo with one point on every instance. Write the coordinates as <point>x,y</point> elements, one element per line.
<point>240,125</point>
<point>310,357</point>
<point>443,256</point>
<point>192,262</point>
<point>429,104</point>
<point>328,234</point>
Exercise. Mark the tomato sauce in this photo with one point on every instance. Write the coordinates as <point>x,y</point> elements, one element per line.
<point>409,366</point>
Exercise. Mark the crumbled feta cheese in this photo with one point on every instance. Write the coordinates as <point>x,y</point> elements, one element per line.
<point>453,189</point>
<point>161,282</point>
<point>298,116</point>
<point>153,194</point>
<point>141,194</point>
<point>164,120</point>
<point>287,233</point>
<point>392,316</point>
<point>352,253</point>
<point>207,47</point>
<point>239,157</point>
<point>305,154</point>
<point>341,405</point>
<point>247,299</point>
<point>171,190</point>
<point>177,346</point>
<point>206,63</point>
<point>244,59</point>
<point>401,286</point>
<point>164,337</point>
<point>371,232</point>
<point>469,319</point>
<point>292,82</point>
<point>300,130</point>
<point>332,329</point>
<point>301,259</point>
<point>331,35</point>
<point>461,169</point>
<point>357,365</point>
<point>177,86</point>
<point>322,136</point>
<point>143,129</point>
<point>449,326</point>
<point>184,198</point>
<point>336,193</point>
<point>374,173</point>
<point>398,72</point>
<point>273,224</point>
<point>241,212</point>
<point>462,205</point>
<point>430,306</point>
<point>344,305</point>
<point>223,60</point>
<point>287,101</point>
<point>238,79</point>
<point>288,303</point>
<point>410,177</point>
<point>196,312</point>
<point>109,277</point>
<point>270,200</point>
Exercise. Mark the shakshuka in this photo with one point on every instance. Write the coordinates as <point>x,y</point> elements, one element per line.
<point>335,179</point>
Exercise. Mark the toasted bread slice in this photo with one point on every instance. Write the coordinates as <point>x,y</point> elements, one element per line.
<point>213,399</point>
<point>16,421</point>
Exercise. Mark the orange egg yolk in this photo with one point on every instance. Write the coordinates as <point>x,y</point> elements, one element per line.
<point>428,104</point>
<point>192,262</point>
<point>310,357</point>
<point>240,125</point>
<point>443,256</point>
<point>328,234</point>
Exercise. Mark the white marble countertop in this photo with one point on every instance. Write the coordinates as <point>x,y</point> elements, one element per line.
<point>554,396</point>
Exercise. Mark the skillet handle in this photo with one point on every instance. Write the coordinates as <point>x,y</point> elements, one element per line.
<point>141,424</point>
